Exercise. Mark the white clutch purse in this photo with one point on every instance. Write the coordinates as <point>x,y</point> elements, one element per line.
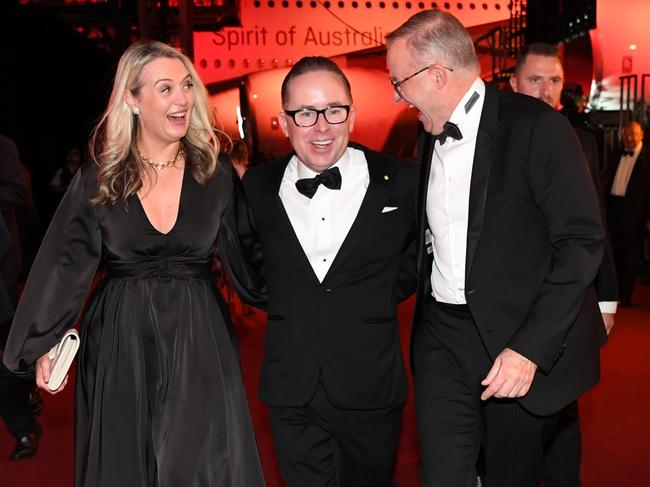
<point>62,355</point>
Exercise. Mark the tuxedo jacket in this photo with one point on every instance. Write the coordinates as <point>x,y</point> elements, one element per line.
<point>342,331</point>
<point>636,206</point>
<point>606,281</point>
<point>534,244</point>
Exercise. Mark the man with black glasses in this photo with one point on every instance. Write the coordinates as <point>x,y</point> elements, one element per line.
<point>335,222</point>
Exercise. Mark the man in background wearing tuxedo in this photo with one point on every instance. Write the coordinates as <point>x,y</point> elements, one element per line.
<point>539,73</point>
<point>507,326</point>
<point>628,206</point>
<point>335,223</point>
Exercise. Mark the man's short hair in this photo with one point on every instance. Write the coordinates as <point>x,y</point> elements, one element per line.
<point>310,64</point>
<point>537,49</point>
<point>438,35</point>
<point>632,123</point>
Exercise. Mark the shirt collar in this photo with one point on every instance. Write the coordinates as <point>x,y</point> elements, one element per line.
<point>467,114</point>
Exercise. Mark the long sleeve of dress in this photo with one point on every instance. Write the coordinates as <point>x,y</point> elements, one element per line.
<point>240,250</point>
<point>60,277</point>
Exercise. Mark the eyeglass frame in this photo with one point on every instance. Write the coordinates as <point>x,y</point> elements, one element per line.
<point>397,84</point>
<point>292,114</point>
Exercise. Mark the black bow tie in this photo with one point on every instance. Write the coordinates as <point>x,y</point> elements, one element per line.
<point>628,152</point>
<point>330,178</point>
<point>449,129</point>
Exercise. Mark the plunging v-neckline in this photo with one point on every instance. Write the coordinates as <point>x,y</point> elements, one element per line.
<point>178,209</point>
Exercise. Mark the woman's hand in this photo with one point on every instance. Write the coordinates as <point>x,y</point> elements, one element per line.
<point>43,366</point>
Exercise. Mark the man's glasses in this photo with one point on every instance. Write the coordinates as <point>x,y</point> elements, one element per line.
<point>398,84</point>
<point>307,117</point>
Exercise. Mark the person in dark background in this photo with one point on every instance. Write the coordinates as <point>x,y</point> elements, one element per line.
<point>28,219</point>
<point>14,395</point>
<point>239,157</point>
<point>573,102</point>
<point>64,174</point>
<point>13,194</point>
<point>507,328</point>
<point>539,73</point>
<point>7,306</point>
<point>628,206</point>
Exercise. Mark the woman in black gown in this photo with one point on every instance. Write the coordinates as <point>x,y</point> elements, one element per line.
<point>160,400</point>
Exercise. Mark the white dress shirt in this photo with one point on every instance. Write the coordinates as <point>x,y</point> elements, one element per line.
<point>448,198</point>
<point>624,171</point>
<point>448,202</point>
<point>322,222</point>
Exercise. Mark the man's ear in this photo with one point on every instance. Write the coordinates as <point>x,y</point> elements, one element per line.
<point>351,117</point>
<point>439,75</point>
<point>282,118</point>
<point>513,83</point>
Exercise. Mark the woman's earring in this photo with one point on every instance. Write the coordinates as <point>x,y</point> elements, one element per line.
<point>135,111</point>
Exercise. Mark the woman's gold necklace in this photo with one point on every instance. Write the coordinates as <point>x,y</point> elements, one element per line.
<point>162,165</point>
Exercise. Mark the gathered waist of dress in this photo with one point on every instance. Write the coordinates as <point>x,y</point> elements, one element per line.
<point>160,267</point>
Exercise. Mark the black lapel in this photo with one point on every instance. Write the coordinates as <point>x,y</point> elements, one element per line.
<point>483,156</point>
<point>639,169</point>
<point>278,217</point>
<point>421,206</point>
<point>423,261</point>
<point>382,175</point>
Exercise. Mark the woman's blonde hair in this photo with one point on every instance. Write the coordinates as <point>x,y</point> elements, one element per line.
<point>113,141</point>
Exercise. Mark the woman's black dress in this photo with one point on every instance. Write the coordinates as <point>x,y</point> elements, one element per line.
<point>160,400</point>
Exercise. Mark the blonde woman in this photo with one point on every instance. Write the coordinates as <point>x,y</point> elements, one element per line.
<point>160,400</point>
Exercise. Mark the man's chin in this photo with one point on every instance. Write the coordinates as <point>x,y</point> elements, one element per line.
<point>319,160</point>
<point>319,163</point>
<point>426,123</point>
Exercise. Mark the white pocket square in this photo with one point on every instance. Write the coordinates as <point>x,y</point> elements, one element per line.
<point>388,209</point>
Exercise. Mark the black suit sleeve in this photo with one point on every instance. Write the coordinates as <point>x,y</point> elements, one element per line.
<point>407,275</point>
<point>606,282</point>
<point>562,188</point>
<point>643,185</point>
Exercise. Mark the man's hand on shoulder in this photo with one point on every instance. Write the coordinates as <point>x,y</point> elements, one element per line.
<point>511,375</point>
